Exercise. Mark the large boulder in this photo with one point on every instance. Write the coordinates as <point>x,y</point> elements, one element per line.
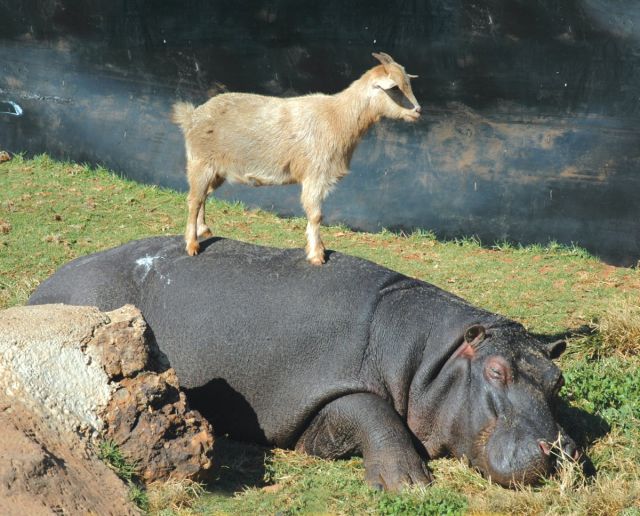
<point>91,376</point>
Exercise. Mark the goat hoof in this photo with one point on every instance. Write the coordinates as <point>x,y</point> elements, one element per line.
<point>316,260</point>
<point>193,248</point>
<point>205,234</point>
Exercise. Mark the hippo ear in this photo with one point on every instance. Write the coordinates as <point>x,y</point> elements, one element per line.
<point>472,337</point>
<point>475,334</point>
<point>555,349</point>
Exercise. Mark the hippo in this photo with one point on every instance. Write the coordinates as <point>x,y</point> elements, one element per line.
<point>349,358</point>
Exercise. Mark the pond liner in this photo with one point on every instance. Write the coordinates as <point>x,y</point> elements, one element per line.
<point>530,109</point>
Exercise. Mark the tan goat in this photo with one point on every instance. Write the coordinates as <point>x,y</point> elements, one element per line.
<point>261,140</point>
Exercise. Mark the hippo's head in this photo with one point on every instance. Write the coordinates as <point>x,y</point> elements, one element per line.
<point>496,395</point>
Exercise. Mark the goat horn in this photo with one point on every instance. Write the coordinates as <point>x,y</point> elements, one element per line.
<point>412,76</point>
<point>383,58</point>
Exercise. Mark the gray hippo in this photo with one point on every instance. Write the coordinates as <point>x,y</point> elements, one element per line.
<point>349,358</point>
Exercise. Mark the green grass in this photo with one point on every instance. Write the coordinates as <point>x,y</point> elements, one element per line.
<point>110,454</point>
<point>51,212</point>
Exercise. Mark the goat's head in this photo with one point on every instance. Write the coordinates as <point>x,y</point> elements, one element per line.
<point>391,90</point>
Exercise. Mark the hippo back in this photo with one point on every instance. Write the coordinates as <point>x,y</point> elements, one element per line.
<point>256,326</point>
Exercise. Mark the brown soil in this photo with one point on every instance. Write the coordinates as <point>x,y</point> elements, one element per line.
<point>45,472</point>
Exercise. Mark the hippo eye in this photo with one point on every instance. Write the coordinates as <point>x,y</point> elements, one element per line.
<point>497,370</point>
<point>495,373</point>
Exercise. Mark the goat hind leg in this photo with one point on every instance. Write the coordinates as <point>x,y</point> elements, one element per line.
<point>198,188</point>
<point>203,230</point>
<point>311,202</point>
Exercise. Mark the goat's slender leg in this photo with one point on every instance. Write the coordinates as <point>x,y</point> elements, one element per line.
<point>198,188</point>
<point>312,196</point>
<point>203,230</point>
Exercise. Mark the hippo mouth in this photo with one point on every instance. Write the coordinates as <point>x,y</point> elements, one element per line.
<point>508,466</point>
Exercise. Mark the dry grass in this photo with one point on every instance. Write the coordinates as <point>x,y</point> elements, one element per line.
<point>175,495</point>
<point>619,327</point>
<point>569,491</point>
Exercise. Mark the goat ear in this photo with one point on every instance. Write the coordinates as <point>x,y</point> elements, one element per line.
<point>386,83</point>
<point>412,76</point>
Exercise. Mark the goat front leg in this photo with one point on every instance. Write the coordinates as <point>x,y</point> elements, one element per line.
<point>312,196</point>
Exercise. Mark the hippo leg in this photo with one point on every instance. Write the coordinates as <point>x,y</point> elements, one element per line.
<point>365,423</point>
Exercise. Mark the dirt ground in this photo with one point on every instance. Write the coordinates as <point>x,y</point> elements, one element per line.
<point>44,472</point>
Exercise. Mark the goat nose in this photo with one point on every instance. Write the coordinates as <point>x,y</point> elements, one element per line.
<point>417,109</point>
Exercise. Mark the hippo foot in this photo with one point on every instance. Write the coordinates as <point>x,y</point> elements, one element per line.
<point>394,471</point>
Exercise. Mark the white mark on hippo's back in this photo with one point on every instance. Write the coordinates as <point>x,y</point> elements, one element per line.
<point>146,263</point>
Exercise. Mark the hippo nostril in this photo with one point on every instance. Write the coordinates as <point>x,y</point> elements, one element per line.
<point>545,447</point>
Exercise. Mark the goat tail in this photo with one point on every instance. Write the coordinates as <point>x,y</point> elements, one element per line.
<point>182,114</point>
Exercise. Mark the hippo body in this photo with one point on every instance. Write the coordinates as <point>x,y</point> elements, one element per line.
<point>346,358</point>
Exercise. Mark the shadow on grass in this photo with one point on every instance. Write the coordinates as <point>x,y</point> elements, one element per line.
<point>581,331</point>
<point>236,465</point>
<point>584,428</point>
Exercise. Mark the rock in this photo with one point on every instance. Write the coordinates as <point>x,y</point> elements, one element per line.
<point>89,375</point>
<point>149,419</point>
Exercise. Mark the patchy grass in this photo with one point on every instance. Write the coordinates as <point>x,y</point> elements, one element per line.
<point>110,454</point>
<point>52,212</point>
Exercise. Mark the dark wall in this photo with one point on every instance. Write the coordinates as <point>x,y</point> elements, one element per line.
<point>531,107</point>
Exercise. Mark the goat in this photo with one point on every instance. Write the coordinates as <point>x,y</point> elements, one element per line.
<point>260,140</point>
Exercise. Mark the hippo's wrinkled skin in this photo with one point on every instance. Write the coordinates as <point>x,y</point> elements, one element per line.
<point>347,358</point>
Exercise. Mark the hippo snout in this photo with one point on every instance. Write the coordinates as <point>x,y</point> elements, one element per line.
<point>524,461</point>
